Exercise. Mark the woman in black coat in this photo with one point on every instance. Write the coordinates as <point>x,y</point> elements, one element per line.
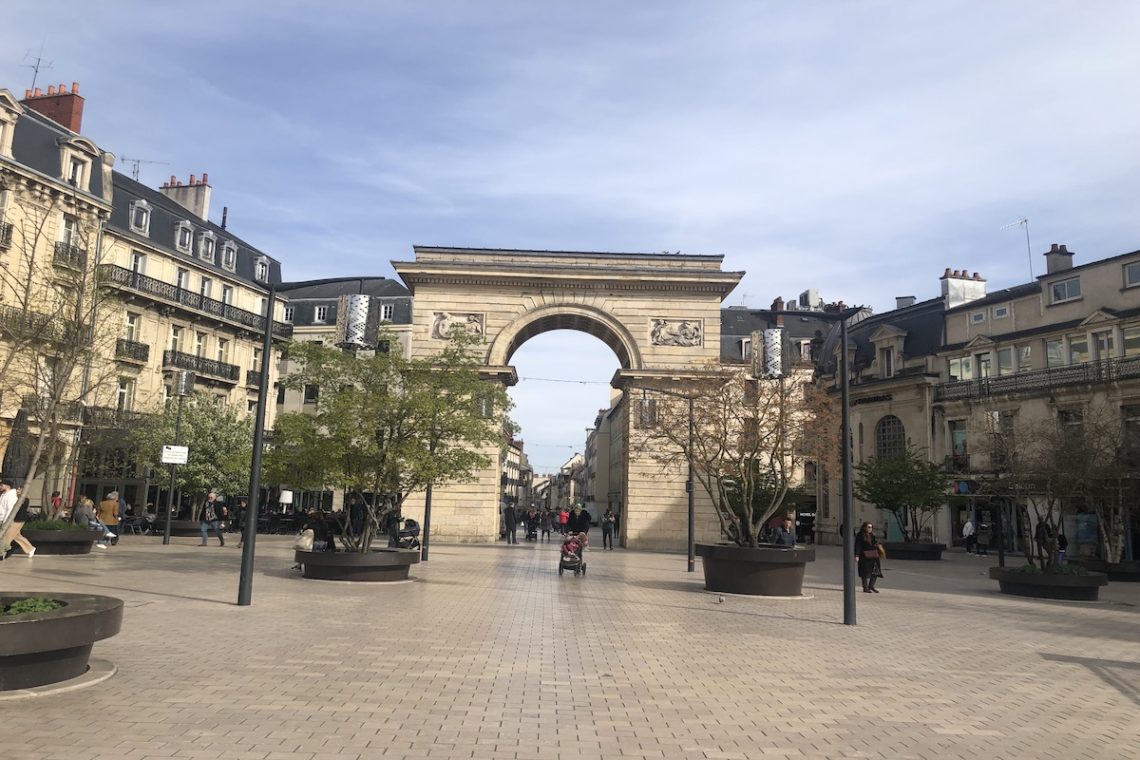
<point>867,555</point>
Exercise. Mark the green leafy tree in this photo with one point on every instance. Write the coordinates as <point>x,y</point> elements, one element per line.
<point>220,443</point>
<point>908,486</point>
<point>385,426</point>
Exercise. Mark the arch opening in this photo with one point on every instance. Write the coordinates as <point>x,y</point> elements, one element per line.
<point>566,317</point>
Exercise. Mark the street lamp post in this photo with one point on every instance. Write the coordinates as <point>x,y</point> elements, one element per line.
<point>183,385</point>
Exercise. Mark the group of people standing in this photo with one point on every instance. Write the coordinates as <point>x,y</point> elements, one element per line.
<point>540,523</point>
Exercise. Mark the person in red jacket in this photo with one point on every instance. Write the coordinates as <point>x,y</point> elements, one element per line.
<point>563,518</point>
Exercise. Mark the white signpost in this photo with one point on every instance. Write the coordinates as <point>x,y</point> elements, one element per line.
<point>175,454</point>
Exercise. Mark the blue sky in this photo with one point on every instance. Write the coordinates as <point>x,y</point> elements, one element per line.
<point>857,148</point>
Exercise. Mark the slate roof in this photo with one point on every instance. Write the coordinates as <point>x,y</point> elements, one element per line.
<point>922,322</point>
<point>304,298</point>
<point>1016,291</point>
<point>737,324</point>
<point>165,215</point>
<point>35,144</point>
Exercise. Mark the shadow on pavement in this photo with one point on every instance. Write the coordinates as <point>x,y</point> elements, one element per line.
<point>1103,669</point>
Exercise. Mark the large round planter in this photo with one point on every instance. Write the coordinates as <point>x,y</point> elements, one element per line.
<point>765,571</point>
<point>62,541</point>
<point>1072,588</point>
<point>40,648</point>
<point>916,551</point>
<point>378,565</point>
<point>1127,571</point>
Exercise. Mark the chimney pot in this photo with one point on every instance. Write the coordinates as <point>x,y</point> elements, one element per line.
<point>205,178</point>
<point>27,94</point>
<point>51,89</point>
<point>947,272</point>
<point>1064,248</point>
<point>1053,248</point>
<point>172,179</point>
<point>36,92</point>
<point>977,276</point>
<point>75,88</point>
<point>191,179</point>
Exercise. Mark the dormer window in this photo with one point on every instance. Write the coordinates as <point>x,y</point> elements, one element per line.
<point>1066,290</point>
<point>184,237</point>
<point>386,311</point>
<point>229,256</point>
<point>887,362</point>
<point>76,168</point>
<point>207,247</point>
<point>261,270</point>
<point>746,348</point>
<point>140,217</point>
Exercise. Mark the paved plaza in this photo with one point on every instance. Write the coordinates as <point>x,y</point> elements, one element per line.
<point>488,653</point>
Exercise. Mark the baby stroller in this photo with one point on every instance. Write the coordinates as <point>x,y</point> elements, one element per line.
<point>532,530</point>
<point>409,536</point>
<point>570,560</point>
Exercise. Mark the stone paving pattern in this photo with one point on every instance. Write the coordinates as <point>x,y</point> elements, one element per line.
<point>488,653</point>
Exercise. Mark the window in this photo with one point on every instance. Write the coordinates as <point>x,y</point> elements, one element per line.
<point>131,327</point>
<point>887,362</point>
<point>256,360</point>
<point>184,237</point>
<point>746,348</point>
<point>890,437</point>
<point>223,350</point>
<point>175,338</point>
<point>280,394</point>
<point>125,399</point>
<point>206,247</point>
<point>289,313</point>
<point>1024,358</point>
<point>138,262</point>
<point>229,256</point>
<point>75,167</point>
<point>261,270</point>
<point>1130,417</point>
<point>1132,340</point>
<point>228,295</point>
<point>1132,274</point>
<point>311,394</point>
<point>977,317</point>
<point>1078,349</point>
<point>1005,361</point>
<point>1070,420</point>
<point>386,311</point>
<point>1105,344</point>
<point>140,217</point>
<point>983,365</point>
<point>205,287</point>
<point>1054,353</point>
<point>200,344</point>
<point>1066,290</point>
<point>647,412</point>
<point>954,369</point>
<point>320,313</point>
<point>70,232</point>
<point>182,279</point>
<point>1001,312</point>
<point>958,451</point>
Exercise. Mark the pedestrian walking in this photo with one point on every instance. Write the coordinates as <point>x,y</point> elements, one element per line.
<point>546,521</point>
<point>241,514</point>
<point>8,498</point>
<point>608,523</point>
<point>13,535</point>
<point>212,512</point>
<point>968,536</point>
<point>579,520</point>
<point>108,514</point>
<point>868,555</point>
<point>563,518</point>
<point>985,535</point>
<point>511,523</point>
<point>784,536</point>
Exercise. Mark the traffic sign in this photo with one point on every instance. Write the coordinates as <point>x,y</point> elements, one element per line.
<point>175,454</point>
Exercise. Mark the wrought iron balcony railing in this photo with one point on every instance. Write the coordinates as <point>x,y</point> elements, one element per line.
<point>69,255</point>
<point>253,378</point>
<point>140,283</point>
<point>5,234</point>
<point>1089,373</point>
<point>132,350</point>
<point>40,407</point>
<point>110,417</point>
<point>200,365</point>
<point>34,326</point>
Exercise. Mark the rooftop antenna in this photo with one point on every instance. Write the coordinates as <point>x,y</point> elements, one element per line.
<point>37,65</point>
<point>1023,222</point>
<point>136,162</point>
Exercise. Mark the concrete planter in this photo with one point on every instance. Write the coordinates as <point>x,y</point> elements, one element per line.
<point>914,551</point>
<point>763,571</point>
<point>62,541</point>
<point>378,565</point>
<point>1126,572</point>
<point>40,648</point>
<point>1072,588</point>
<point>179,528</point>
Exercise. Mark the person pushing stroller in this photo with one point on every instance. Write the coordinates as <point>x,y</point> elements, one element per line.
<point>571,554</point>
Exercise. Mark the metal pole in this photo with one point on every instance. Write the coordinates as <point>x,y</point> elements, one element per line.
<point>253,506</point>
<point>689,488</point>
<point>848,512</point>
<point>173,467</point>
<point>427,523</point>
<point>999,520</point>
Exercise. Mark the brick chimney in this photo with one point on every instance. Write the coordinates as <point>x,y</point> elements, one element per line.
<point>194,196</point>
<point>778,309</point>
<point>1058,259</point>
<point>61,106</point>
<point>960,287</point>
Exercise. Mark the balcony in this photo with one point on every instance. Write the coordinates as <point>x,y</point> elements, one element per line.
<point>196,303</point>
<point>1090,373</point>
<point>5,234</point>
<point>108,417</point>
<point>63,411</point>
<point>33,326</point>
<point>253,378</point>
<point>201,366</point>
<point>71,256</point>
<point>132,351</point>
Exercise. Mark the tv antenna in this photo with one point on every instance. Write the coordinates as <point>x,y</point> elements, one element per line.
<point>37,64</point>
<point>1023,222</point>
<point>136,162</point>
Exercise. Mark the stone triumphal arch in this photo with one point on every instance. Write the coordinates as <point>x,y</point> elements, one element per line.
<point>659,313</point>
